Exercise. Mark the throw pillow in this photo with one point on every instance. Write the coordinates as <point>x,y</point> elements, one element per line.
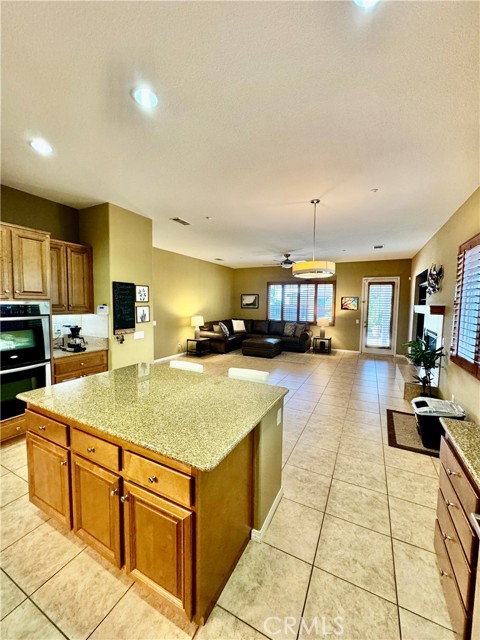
<point>223,329</point>
<point>216,328</point>
<point>238,326</point>
<point>289,329</point>
<point>299,329</point>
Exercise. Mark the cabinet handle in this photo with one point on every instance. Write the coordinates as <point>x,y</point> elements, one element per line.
<point>91,449</point>
<point>124,498</point>
<point>42,427</point>
<point>17,290</point>
<point>18,428</point>
<point>7,290</point>
<point>448,503</point>
<point>63,463</point>
<point>152,479</point>
<point>444,573</point>
<point>114,492</point>
<point>446,537</point>
<point>452,473</point>
<point>81,364</point>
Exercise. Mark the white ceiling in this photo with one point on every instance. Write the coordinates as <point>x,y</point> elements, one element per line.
<point>263,106</point>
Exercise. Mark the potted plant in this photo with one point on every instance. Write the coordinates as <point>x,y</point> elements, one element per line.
<point>427,359</point>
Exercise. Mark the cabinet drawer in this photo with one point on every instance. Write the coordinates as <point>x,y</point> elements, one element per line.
<point>47,428</point>
<point>12,428</point>
<point>158,478</point>
<point>454,548</point>
<point>458,615</point>
<point>96,449</point>
<point>67,364</point>
<point>74,375</point>
<point>465,532</point>
<point>463,488</point>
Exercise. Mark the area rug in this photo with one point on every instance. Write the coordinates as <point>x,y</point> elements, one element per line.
<point>402,433</point>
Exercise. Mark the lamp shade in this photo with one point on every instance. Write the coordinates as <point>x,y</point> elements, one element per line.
<point>323,322</point>
<point>197,321</point>
<point>313,269</point>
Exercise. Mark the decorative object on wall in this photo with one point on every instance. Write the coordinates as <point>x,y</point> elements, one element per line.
<point>433,279</point>
<point>143,314</point>
<point>197,322</point>
<point>249,300</point>
<point>314,268</point>
<point>142,293</point>
<point>123,307</point>
<point>349,304</point>
<point>322,323</point>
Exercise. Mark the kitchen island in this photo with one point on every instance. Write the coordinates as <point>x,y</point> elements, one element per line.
<point>163,470</point>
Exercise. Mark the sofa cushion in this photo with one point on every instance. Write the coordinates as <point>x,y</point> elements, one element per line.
<point>276,328</point>
<point>299,329</point>
<point>289,329</point>
<point>224,329</point>
<point>238,326</point>
<point>228,324</point>
<point>208,326</point>
<point>216,328</point>
<point>248,325</point>
<point>260,327</point>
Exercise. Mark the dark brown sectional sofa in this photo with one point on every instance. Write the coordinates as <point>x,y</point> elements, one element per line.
<point>220,343</point>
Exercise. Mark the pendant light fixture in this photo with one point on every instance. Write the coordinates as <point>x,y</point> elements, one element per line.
<point>314,268</point>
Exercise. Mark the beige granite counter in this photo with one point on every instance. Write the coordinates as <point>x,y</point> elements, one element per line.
<point>194,418</point>
<point>91,344</point>
<point>465,436</point>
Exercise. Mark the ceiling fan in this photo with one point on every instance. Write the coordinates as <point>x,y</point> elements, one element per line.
<point>287,263</point>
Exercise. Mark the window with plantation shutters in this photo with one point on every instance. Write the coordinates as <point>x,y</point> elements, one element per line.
<point>465,347</point>
<point>301,302</point>
<point>379,315</point>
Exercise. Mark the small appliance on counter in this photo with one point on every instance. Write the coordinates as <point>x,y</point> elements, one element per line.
<point>74,341</point>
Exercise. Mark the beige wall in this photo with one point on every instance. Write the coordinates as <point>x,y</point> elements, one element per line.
<point>442,249</point>
<point>348,278</point>
<point>184,287</point>
<point>24,209</point>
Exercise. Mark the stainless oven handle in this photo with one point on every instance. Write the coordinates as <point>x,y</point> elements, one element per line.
<point>475,521</point>
<point>13,318</point>
<point>31,366</point>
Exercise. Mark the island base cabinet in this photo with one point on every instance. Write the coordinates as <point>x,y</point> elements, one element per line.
<point>96,508</point>
<point>48,477</point>
<point>158,545</point>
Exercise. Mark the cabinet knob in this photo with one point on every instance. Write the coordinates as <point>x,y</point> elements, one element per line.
<point>42,427</point>
<point>18,428</point>
<point>448,503</point>
<point>7,290</point>
<point>63,463</point>
<point>114,492</point>
<point>152,479</point>
<point>124,498</point>
<point>452,473</point>
<point>17,290</point>
<point>81,364</point>
<point>444,573</point>
<point>446,537</point>
<point>91,449</point>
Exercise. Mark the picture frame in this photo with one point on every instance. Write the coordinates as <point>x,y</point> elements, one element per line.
<point>143,314</point>
<point>349,303</point>
<point>142,293</point>
<point>249,300</point>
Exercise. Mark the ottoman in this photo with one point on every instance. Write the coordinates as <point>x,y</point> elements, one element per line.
<point>262,347</point>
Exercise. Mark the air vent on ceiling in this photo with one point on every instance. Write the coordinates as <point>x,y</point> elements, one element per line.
<point>180,221</point>
<point>378,246</point>
<point>219,259</point>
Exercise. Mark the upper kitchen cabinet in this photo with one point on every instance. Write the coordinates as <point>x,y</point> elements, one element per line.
<point>25,264</point>
<point>72,278</point>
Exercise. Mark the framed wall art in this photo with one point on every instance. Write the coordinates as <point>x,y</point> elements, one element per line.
<point>143,314</point>
<point>249,300</point>
<point>349,304</point>
<point>141,293</point>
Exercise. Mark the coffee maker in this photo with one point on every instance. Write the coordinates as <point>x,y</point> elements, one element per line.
<point>74,341</point>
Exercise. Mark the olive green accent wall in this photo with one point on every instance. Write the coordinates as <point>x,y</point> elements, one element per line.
<point>184,287</point>
<point>442,249</point>
<point>31,211</point>
<point>94,231</point>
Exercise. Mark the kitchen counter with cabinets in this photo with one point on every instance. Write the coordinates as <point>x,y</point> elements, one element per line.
<point>160,470</point>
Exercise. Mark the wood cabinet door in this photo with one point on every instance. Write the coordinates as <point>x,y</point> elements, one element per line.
<point>48,477</point>
<point>6,291</point>
<point>96,508</point>
<point>158,545</point>
<point>31,264</point>
<point>58,276</point>
<point>80,279</point>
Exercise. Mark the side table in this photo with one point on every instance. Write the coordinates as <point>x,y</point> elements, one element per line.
<point>322,345</point>
<point>200,346</point>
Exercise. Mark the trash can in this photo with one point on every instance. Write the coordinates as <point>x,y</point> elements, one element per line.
<point>428,412</point>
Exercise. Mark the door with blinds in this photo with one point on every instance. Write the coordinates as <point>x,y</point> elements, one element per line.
<point>380,315</point>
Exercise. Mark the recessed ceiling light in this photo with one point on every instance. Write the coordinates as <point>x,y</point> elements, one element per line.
<point>365,4</point>
<point>145,97</point>
<point>41,146</point>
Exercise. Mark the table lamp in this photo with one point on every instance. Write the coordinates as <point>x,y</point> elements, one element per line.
<point>197,321</point>
<point>322,323</point>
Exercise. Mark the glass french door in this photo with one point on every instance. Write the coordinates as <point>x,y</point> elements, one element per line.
<point>379,315</point>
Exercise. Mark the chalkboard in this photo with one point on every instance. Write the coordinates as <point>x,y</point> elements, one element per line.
<point>123,307</point>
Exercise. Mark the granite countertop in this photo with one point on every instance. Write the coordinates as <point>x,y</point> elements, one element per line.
<point>91,344</point>
<point>195,418</point>
<point>465,436</point>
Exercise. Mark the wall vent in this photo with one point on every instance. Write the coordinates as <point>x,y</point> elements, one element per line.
<point>219,259</point>
<point>180,221</point>
<point>378,246</point>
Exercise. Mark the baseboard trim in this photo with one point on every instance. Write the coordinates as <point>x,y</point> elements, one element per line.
<point>167,358</point>
<point>257,534</point>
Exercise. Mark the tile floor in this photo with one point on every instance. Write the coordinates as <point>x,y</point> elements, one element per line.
<point>348,554</point>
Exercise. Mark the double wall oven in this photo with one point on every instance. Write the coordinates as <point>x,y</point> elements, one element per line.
<point>24,352</point>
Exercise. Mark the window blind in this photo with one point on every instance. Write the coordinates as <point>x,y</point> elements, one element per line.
<point>301,302</point>
<point>379,316</point>
<point>275,297</point>
<point>290,302</point>
<point>325,301</point>
<point>306,312</point>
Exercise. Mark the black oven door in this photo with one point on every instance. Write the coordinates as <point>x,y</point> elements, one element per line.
<point>24,341</point>
<point>19,380</point>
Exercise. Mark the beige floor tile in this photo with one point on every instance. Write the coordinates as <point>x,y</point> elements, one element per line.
<point>337,392</point>
<point>305,487</point>
<point>365,417</point>
<point>292,428</point>
<point>359,505</point>
<point>10,595</point>
<point>14,457</point>
<point>412,487</point>
<point>138,616</point>
<point>329,410</point>
<point>333,401</point>
<point>416,628</point>
<point>266,582</point>
<point>410,461</point>
<point>364,397</point>
<point>288,444</point>
<point>3,471</point>
<point>313,458</point>
<point>311,395</point>
<point>360,405</point>
<point>360,556</point>
<point>415,568</point>
<point>320,438</point>
<point>330,422</point>
<point>296,417</point>
<point>295,529</point>
<point>22,472</point>
<point>222,624</point>
<point>80,595</point>
<point>361,473</point>
<point>348,612</point>
<point>36,557</point>
<point>412,523</point>
<point>19,518</point>
<point>363,431</point>
<point>26,622</point>
<point>11,488</point>
<point>302,405</point>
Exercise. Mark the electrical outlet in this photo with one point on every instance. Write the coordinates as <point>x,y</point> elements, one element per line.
<point>179,347</point>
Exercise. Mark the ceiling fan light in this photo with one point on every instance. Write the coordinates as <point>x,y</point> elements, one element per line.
<point>313,269</point>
